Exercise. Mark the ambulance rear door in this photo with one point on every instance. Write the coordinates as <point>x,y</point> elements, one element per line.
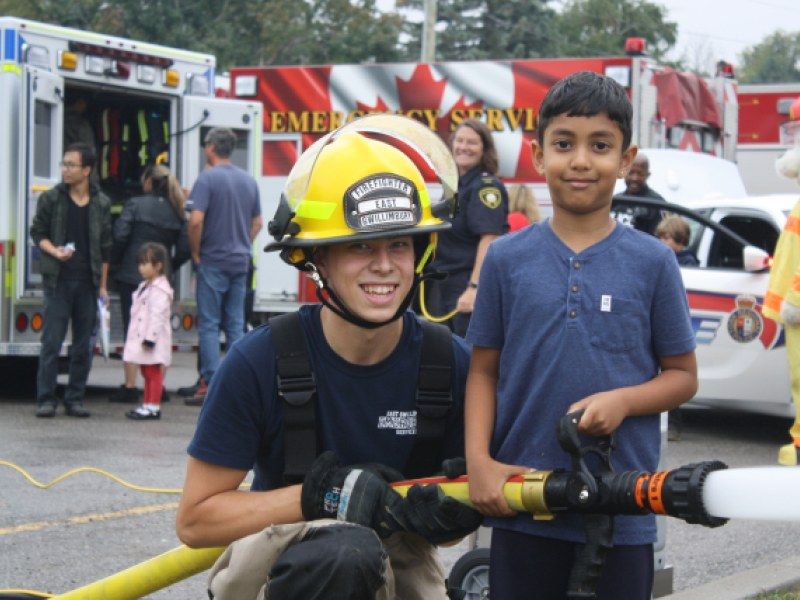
<point>200,114</point>
<point>40,145</point>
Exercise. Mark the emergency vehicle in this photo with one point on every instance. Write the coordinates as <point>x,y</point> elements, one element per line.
<point>766,131</point>
<point>671,110</point>
<point>741,355</point>
<point>145,103</point>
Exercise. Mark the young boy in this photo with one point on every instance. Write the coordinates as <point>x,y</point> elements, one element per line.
<point>675,233</point>
<point>574,312</point>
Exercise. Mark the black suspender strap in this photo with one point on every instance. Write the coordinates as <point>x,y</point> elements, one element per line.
<point>298,390</point>
<point>434,399</point>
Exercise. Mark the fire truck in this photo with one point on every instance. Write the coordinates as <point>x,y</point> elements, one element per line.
<point>302,103</point>
<point>766,131</point>
<point>145,103</point>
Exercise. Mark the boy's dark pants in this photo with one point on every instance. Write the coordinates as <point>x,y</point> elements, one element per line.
<point>527,566</point>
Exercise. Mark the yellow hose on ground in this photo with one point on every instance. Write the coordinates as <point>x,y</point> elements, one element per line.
<point>71,472</point>
<point>147,577</point>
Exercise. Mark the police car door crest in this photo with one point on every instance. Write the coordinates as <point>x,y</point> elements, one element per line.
<point>744,323</point>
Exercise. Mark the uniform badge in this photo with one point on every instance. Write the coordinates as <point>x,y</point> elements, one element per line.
<point>744,323</point>
<point>490,196</point>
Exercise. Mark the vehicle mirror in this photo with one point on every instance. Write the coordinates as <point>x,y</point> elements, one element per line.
<point>755,259</point>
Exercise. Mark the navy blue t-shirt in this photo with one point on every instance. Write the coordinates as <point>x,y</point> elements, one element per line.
<point>229,198</point>
<point>570,325</point>
<point>367,413</point>
<point>482,210</point>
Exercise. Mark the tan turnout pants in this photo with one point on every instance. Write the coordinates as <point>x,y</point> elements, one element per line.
<point>411,567</point>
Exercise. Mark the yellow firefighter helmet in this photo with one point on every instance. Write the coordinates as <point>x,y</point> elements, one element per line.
<point>368,179</point>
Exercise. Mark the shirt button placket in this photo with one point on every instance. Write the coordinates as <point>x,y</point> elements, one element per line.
<point>574,288</point>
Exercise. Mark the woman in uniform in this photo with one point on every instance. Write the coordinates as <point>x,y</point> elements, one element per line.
<point>481,218</point>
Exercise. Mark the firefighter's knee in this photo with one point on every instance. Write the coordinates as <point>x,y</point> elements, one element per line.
<point>338,561</point>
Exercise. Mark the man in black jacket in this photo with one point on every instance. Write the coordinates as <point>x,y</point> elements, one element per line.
<point>72,228</point>
<point>643,219</point>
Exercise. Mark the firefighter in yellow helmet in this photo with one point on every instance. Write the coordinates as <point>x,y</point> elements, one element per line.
<point>330,404</point>
<point>782,302</point>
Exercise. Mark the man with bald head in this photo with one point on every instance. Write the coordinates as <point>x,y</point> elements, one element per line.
<point>644,219</point>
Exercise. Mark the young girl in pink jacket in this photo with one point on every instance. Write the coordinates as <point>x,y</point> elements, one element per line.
<point>149,341</point>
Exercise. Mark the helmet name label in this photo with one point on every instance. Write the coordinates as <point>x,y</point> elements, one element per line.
<point>380,183</point>
<point>384,204</point>
<point>380,202</point>
<point>386,218</point>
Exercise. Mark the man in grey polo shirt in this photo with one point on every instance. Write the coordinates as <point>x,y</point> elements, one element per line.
<point>224,219</point>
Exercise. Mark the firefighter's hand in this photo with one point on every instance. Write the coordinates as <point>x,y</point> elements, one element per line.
<point>355,494</point>
<point>790,313</point>
<point>486,480</point>
<point>466,301</point>
<point>603,412</point>
<point>436,517</point>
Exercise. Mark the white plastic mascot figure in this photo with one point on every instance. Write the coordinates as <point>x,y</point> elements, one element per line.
<point>782,302</point>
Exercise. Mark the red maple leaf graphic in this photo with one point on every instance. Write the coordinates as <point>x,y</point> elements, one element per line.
<point>380,106</point>
<point>422,92</point>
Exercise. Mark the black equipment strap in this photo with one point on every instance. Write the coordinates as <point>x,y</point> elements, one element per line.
<point>298,389</point>
<point>434,399</point>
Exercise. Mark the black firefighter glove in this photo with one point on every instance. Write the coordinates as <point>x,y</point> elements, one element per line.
<point>357,494</point>
<point>437,517</point>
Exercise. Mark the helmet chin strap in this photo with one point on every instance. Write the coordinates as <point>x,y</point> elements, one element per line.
<point>340,308</point>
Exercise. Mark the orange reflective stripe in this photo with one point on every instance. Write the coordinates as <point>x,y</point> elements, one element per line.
<point>796,283</point>
<point>773,301</point>
<point>793,224</point>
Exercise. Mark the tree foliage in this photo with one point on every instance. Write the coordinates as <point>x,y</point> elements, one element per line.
<point>238,32</point>
<point>487,29</point>
<point>776,59</point>
<point>600,27</point>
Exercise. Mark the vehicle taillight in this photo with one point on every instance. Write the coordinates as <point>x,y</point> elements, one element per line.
<point>21,322</point>
<point>36,322</point>
<point>188,321</point>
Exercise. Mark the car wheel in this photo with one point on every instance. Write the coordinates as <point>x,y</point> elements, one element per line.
<point>469,577</point>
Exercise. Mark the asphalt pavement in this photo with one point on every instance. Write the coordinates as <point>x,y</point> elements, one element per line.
<point>89,527</point>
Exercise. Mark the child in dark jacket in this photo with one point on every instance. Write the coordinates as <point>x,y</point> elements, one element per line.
<point>675,233</point>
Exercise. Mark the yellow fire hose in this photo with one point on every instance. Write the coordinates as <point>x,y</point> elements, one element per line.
<point>152,575</point>
<point>179,563</point>
<point>705,493</point>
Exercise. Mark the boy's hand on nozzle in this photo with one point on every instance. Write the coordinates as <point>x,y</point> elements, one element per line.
<point>602,413</point>
<point>486,480</point>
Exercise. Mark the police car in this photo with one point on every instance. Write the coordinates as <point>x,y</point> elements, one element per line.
<point>741,355</point>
